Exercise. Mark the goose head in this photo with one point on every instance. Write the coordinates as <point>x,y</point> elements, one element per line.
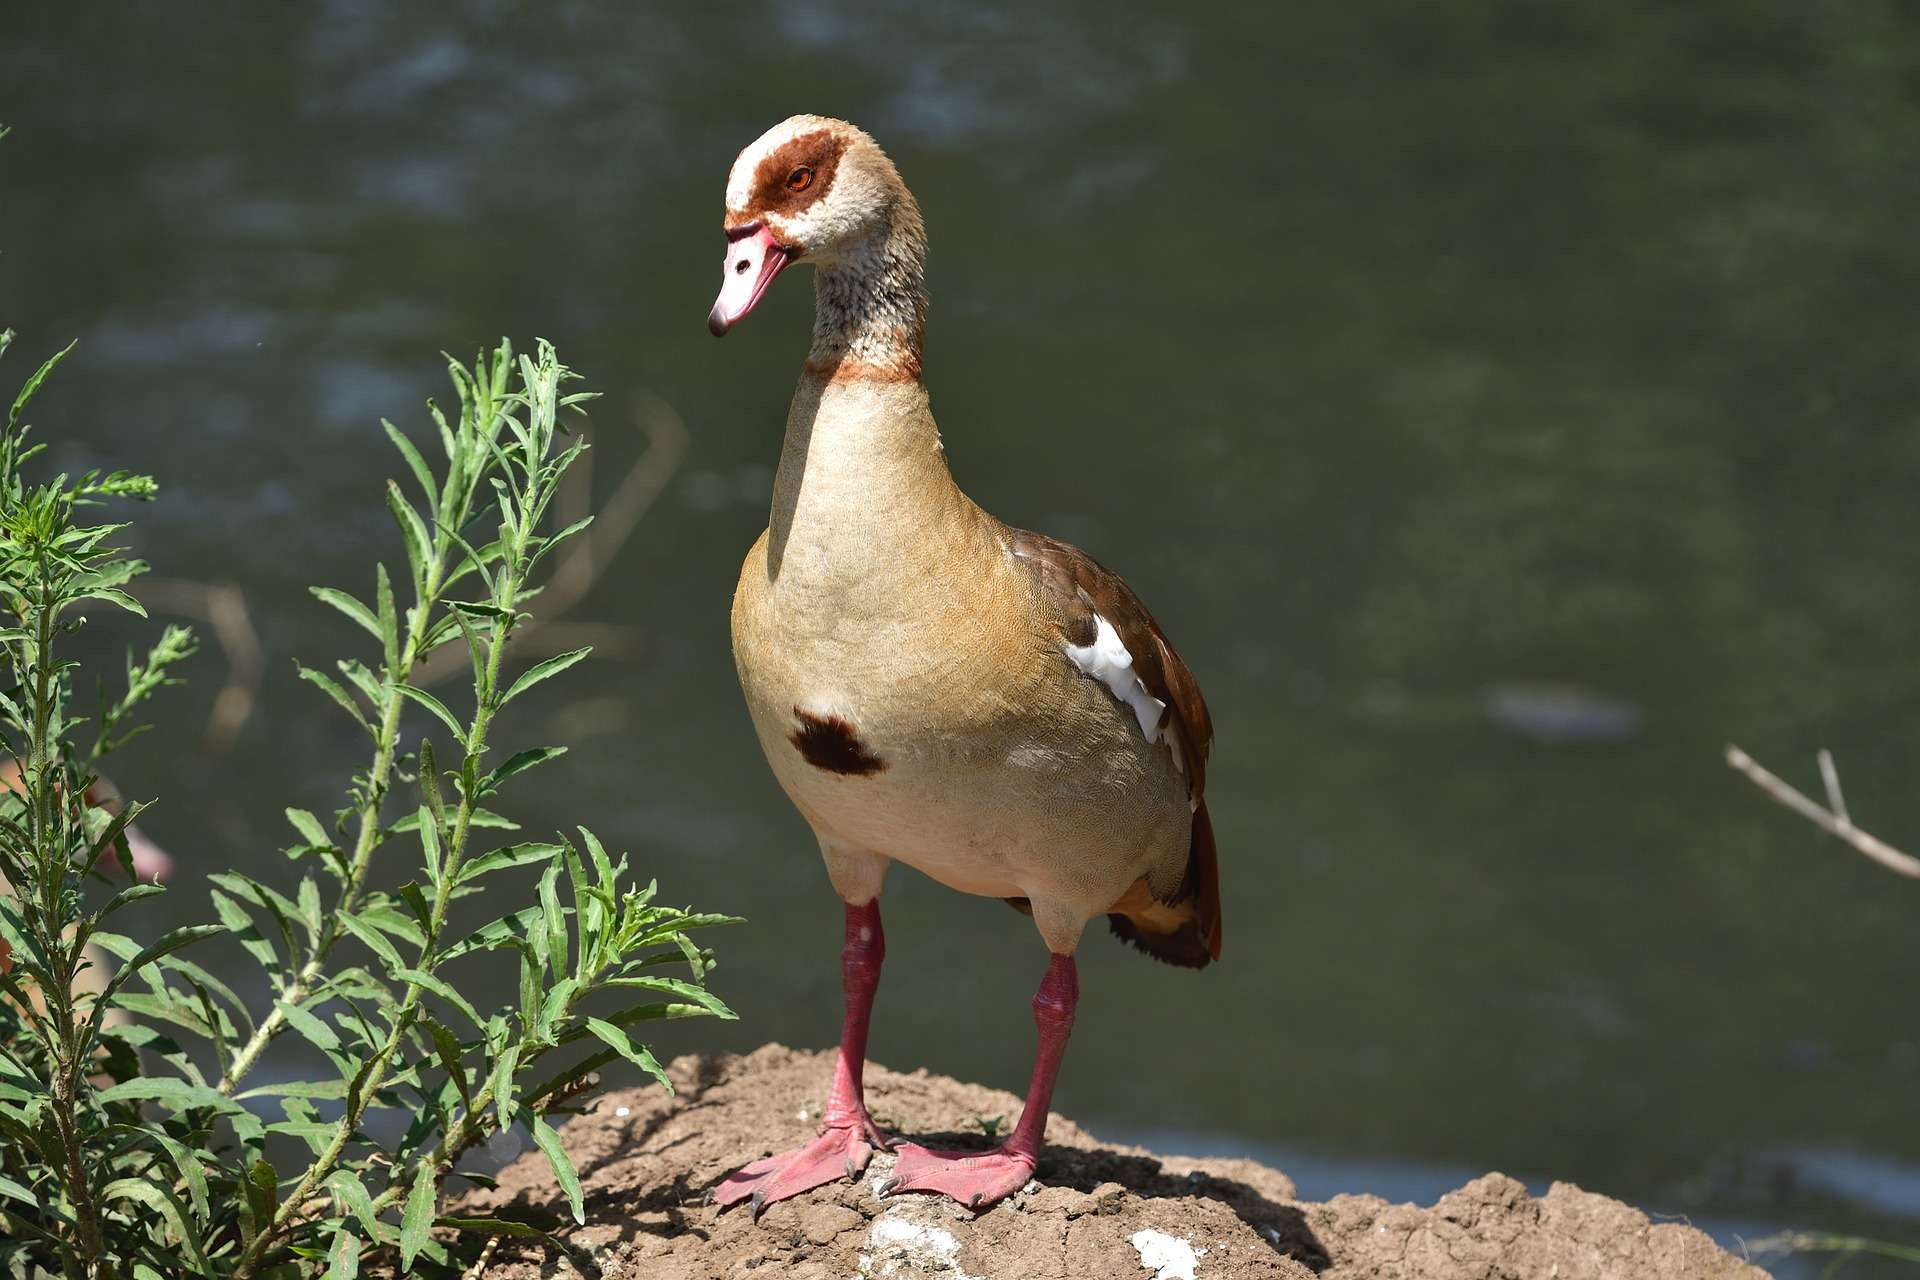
<point>810,189</point>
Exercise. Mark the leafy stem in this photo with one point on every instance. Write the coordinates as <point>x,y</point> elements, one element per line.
<point>122,1156</point>
<point>484,410</point>
<point>445,843</point>
<point>48,565</point>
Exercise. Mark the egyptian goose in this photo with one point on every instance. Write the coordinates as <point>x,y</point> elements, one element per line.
<point>987,705</point>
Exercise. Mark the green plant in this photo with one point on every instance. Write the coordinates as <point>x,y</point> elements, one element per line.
<point>113,1166</point>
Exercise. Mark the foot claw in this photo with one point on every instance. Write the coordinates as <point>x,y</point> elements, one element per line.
<point>977,1180</point>
<point>836,1153</point>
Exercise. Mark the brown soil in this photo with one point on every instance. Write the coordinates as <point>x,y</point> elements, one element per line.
<point>647,1160</point>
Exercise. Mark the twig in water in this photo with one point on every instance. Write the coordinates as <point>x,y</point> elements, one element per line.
<point>1832,819</point>
<point>587,556</point>
<point>1830,778</point>
<point>222,606</point>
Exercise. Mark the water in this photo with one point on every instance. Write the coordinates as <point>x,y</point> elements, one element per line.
<point>1503,407</point>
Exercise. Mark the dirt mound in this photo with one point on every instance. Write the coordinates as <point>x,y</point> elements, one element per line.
<point>1101,1212</point>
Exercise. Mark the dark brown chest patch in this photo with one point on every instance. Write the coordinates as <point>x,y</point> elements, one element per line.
<point>830,743</point>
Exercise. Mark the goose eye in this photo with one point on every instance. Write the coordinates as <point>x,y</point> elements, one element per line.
<point>800,179</point>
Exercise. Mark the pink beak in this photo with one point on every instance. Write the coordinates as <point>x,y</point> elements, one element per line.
<point>754,258</point>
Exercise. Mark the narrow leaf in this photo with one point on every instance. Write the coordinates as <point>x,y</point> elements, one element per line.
<point>332,689</point>
<point>414,531</point>
<point>495,933</point>
<point>447,1046</point>
<point>184,1160</point>
<point>617,1040</point>
<point>439,709</point>
<point>428,982</point>
<point>415,463</point>
<point>503,1068</point>
<point>513,855</point>
<point>556,917</point>
<point>499,1227</point>
<point>520,762</point>
<point>296,1089</point>
<point>237,922</point>
<point>563,1171</point>
<point>349,606</point>
<point>262,1189</point>
<point>478,818</point>
<point>33,383</point>
<point>540,671</point>
<point>309,828</point>
<point>116,597</point>
<point>167,942</point>
<point>132,893</point>
<point>674,986</point>
<point>178,1094</point>
<point>417,1221</point>
<point>310,1027</point>
<point>353,1194</point>
<point>375,940</point>
<point>389,618</point>
<point>162,1201</point>
<point>343,1259</point>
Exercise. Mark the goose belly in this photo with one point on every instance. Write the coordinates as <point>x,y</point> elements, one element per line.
<point>941,819</point>
<point>951,735</point>
<point>1010,809</point>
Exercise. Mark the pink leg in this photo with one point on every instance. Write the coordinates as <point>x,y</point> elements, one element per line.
<point>847,1136</point>
<point>978,1180</point>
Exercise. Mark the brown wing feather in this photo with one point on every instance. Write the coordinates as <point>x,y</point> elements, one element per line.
<point>1081,587</point>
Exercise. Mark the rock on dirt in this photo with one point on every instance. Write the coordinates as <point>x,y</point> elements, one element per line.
<point>1097,1211</point>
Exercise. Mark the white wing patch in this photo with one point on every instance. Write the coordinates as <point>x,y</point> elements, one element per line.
<point>1108,661</point>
